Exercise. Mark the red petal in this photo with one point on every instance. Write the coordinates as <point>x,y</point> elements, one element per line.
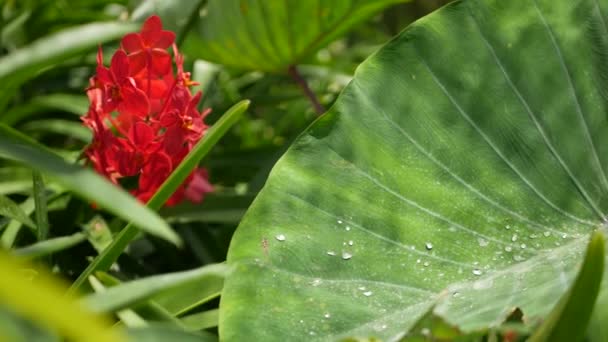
<point>164,40</point>
<point>173,140</point>
<point>169,118</point>
<point>134,102</point>
<point>154,173</point>
<point>103,75</point>
<point>99,56</point>
<point>120,66</point>
<point>198,186</point>
<point>151,29</point>
<point>141,135</point>
<point>132,42</point>
<point>137,62</point>
<point>161,62</point>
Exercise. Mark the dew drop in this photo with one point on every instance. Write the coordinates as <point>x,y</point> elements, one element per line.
<point>482,242</point>
<point>347,228</point>
<point>339,221</point>
<point>312,333</point>
<point>350,243</point>
<point>428,246</point>
<point>327,315</point>
<point>280,237</point>
<point>346,255</point>
<point>418,261</point>
<point>477,272</point>
<point>547,234</point>
<point>523,246</point>
<point>514,238</point>
<point>367,293</point>
<point>518,257</point>
<point>426,264</point>
<point>362,288</point>
<point>507,227</point>
<point>316,282</point>
<point>564,236</point>
<point>331,253</point>
<point>508,248</point>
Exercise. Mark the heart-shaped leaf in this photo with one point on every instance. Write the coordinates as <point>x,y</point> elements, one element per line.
<point>271,35</point>
<point>463,167</point>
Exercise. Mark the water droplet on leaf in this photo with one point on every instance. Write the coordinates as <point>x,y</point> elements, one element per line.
<point>280,237</point>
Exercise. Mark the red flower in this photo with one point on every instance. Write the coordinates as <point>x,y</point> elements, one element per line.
<point>148,48</point>
<point>144,119</point>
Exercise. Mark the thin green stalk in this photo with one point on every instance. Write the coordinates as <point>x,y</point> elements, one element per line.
<point>41,213</point>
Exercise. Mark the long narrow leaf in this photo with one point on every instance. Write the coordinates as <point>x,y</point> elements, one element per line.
<point>127,294</point>
<point>28,61</point>
<point>41,214</point>
<point>569,319</point>
<point>12,210</point>
<point>104,260</point>
<point>129,317</point>
<point>44,301</point>
<point>85,183</point>
<point>50,246</point>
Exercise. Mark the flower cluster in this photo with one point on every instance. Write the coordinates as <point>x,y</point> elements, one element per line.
<point>143,117</point>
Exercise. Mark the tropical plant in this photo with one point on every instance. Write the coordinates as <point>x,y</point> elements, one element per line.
<point>454,190</point>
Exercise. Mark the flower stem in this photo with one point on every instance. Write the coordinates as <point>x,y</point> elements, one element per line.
<point>297,77</point>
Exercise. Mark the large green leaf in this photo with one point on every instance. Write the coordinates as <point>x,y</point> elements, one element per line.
<point>463,167</point>
<point>270,35</point>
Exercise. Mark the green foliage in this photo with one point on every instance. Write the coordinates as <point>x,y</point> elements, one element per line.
<point>447,194</point>
<point>461,169</point>
<point>272,35</point>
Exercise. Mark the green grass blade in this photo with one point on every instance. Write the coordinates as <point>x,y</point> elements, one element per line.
<point>50,246</point>
<point>83,182</point>
<point>69,103</point>
<point>41,214</point>
<point>569,319</point>
<point>150,309</point>
<point>26,62</point>
<point>128,317</point>
<point>104,260</point>
<point>10,209</point>
<point>44,301</point>
<point>131,293</point>
<point>68,128</point>
<point>159,333</point>
<point>202,320</point>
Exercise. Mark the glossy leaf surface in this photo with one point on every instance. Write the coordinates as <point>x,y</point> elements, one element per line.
<point>464,167</point>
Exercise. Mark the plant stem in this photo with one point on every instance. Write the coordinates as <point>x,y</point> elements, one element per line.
<point>297,77</point>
